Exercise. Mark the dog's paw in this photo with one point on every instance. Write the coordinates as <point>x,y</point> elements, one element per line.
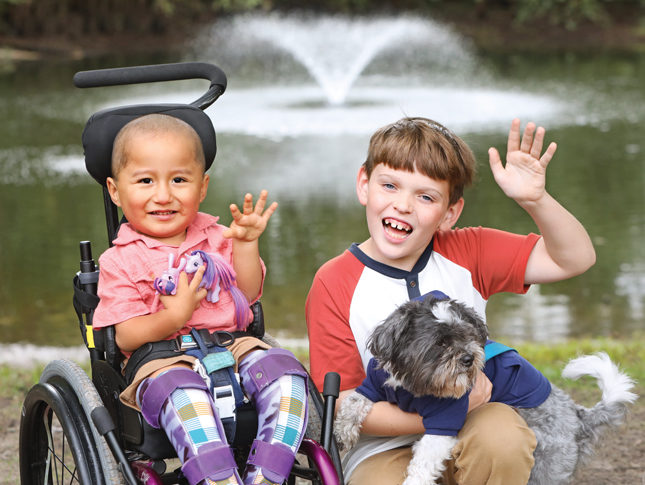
<point>429,455</point>
<point>352,412</point>
<point>418,480</point>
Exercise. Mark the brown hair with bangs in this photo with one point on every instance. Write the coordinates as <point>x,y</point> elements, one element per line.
<point>425,146</point>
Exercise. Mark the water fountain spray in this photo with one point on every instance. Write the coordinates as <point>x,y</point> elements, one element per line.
<point>335,50</point>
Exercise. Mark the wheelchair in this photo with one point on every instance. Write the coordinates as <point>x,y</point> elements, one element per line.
<point>74,429</point>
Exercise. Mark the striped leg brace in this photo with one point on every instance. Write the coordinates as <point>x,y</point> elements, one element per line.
<point>179,402</point>
<point>276,383</point>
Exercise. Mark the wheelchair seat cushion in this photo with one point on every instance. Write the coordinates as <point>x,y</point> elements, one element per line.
<point>103,126</point>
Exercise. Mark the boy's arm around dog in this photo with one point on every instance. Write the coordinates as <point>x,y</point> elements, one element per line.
<point>565,249</point>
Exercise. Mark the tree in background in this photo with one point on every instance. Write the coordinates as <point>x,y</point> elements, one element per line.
<point>29,18</point>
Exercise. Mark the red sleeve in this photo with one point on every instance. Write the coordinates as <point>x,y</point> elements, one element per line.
<point>496,259</point>
<point>331,342</point>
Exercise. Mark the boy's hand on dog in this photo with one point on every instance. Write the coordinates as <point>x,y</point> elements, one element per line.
<point>187,299</point>
<point>250,224</point>
<point>480,393</point>
<point>523,177</point>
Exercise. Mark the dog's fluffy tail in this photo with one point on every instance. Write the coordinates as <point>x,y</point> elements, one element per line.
<point>616,389</point>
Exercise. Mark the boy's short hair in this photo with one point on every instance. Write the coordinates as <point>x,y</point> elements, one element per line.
<point>426,146</point>
<point>152,125</point>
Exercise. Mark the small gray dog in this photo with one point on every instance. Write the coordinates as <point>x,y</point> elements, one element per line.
<point>436,348</point>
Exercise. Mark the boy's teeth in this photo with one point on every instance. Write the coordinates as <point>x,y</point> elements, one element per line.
<point>398,226</point>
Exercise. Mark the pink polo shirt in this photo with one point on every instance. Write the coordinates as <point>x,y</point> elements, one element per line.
<point>128,270</point>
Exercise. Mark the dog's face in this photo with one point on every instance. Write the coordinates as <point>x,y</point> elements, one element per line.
<point>431,347</point>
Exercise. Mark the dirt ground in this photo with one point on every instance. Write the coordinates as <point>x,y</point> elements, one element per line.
<point>621,457</point>
<point>619,460</point>
<point>9,425</point>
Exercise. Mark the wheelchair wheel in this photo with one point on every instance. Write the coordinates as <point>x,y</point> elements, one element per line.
<point>89,399</point>
<point>55,442</point>
<point>65,378</point>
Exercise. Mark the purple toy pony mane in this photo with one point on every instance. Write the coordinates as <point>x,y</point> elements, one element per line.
<point>219,270</point>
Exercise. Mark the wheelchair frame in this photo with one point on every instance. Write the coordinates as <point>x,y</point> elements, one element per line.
<point>75,429</point>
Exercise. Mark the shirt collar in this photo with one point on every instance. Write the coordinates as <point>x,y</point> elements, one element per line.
<point>391,271</point>
<point>196,233</point>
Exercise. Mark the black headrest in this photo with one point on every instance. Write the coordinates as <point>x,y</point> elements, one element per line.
<point>102,127</point>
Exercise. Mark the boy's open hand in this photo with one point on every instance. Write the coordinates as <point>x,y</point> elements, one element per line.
<point>187,298</point>
<point>523,177</point>
<point>249,224</point>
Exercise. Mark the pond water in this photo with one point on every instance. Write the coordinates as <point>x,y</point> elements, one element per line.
<point>304,96</point>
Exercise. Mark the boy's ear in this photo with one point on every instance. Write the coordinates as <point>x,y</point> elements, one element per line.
<point>114,193</point>
<point>204,189</point>
<point>452,214</point>
<point>361,186</point>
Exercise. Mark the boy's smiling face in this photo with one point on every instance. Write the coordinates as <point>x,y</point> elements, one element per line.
<point>404,210</point>
<point>161,186</point>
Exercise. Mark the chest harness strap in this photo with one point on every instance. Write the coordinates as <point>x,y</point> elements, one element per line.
<point>217,362</point>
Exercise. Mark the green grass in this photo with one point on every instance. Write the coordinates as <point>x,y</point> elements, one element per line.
<point>550,359</point>
<point>16,381</point>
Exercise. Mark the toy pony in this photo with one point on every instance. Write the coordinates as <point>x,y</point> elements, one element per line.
<point>166,284</point>
<point>219,276</point>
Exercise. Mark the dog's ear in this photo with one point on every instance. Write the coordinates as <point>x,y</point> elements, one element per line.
<point>469,314</point>
<point>479,324</point>
<point>382,340</point>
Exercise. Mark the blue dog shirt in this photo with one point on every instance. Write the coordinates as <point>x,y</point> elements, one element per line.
<point>515,382</point>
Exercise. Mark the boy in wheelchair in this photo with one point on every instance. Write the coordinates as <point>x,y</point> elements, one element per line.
<point>159,180</point>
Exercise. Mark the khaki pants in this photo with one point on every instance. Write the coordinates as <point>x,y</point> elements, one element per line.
<point>240,347</point>
<point>495,447</point>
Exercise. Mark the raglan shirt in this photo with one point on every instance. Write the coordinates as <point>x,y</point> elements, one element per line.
<point>353,293</point>
<point>515,383</point>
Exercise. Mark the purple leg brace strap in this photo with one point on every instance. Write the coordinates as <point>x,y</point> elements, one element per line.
<point>214,460</point>
<point>275,460</point>
<point>277,363</point>
<point>280,423</point>
<point>162,387</point>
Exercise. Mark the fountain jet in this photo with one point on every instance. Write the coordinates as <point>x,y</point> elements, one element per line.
<point>335,50</point>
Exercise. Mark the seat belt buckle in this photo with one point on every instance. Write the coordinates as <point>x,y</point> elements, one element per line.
<point>185,342</point>
<point>224,401</point>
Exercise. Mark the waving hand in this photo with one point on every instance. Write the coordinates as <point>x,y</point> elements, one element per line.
<point>523,177</point>
<point>249,224</point>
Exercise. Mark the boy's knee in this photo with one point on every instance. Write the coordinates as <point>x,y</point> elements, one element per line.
<point>495,434</point>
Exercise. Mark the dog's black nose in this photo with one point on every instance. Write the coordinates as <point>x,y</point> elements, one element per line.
<point>467,360</point>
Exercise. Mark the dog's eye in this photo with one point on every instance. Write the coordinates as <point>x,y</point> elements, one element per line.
<point>441,343</point>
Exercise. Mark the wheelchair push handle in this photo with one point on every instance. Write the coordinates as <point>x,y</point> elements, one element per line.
<point>158,73</point>
<point>87,263</point>
<point>331,386</point>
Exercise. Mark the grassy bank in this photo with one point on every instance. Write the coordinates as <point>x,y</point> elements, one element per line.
<point>620,461</point>
<point>550,359</point>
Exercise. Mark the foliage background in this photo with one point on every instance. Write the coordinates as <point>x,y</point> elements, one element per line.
<point>29,18</point>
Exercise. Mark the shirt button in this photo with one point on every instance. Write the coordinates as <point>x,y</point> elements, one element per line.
<point>413,283</point>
